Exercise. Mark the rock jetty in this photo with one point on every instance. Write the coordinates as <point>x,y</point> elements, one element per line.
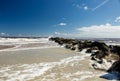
<point>105,57</point>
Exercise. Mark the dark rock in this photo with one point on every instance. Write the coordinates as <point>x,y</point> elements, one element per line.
<point>101,46</point>
<point>115,49</point>
<point>89,51</point>
<point>115,67</point>
<point>100,54</point>
<point>100,61</point>
<point>92,58</point>
<point>101,49</point>
<point>73,48</point>
<point>68,46</point>
<point>95,48</point>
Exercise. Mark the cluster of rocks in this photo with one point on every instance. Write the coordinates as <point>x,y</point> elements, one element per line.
<point>100,52</point>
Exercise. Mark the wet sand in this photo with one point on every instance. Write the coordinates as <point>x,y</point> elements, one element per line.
<point>47,64</point>
<point>30,56</point>
<point>6,46</point>
<point>73,71</point>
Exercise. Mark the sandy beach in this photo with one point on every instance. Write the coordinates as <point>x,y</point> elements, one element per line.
<point>47,64</point>
<point>59,40</point>
<point>29,56</point>
<point>44,60</point>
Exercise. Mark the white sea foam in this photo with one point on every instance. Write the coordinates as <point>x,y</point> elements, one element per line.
<point>12,41</point>
<point>112,42</point>
<point>23,72</point>
<point>19,42</point>
<point>84,52</point>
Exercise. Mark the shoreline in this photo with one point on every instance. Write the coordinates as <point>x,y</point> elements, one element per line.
<point>56,60</point>
<point>50,61</point>
<point>29,48</point>
<point>35,55</point>
<point>24,45</point>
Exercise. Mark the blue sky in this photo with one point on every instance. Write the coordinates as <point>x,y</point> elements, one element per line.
<point>67,18</point>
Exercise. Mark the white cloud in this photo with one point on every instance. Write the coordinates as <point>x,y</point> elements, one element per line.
<point>117,19</point>
<point>4,34</point>
<point>60,33</point>
<point>57,33</point>
<point>85,7</point>
<point>82,6</point>
<point>62,24</point>
<point>100,5</point>
<point>97,31</point>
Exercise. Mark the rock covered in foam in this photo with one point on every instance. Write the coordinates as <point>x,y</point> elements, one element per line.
<point>101,64</point>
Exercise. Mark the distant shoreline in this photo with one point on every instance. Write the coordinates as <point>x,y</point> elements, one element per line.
<point>20,37</point>
<point>84,38</point>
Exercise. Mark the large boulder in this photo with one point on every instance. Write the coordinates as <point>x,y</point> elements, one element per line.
<point>68,46</point>
<point>115,67</point>
<point>101,46</point>
<point>115,49</point>
<point>84,44</point>
<point>92,50</point>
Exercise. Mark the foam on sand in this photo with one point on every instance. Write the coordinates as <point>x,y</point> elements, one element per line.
<point>66,69</point>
